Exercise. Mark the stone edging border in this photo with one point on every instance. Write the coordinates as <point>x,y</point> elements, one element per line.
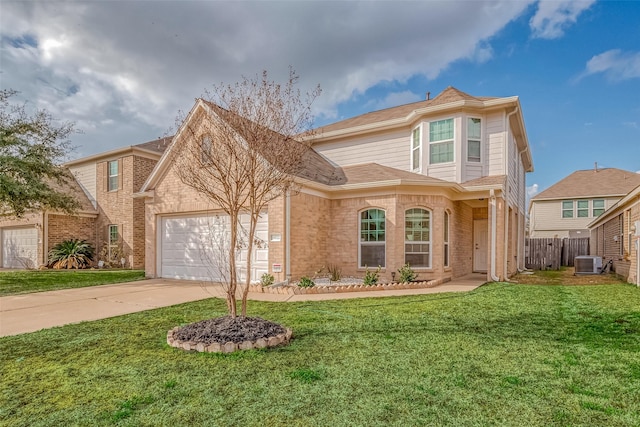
<point>229,347</point>
<point>329,289</point>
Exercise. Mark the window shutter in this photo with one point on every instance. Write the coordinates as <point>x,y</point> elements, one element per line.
<point>120,173</point>
<point>105,180</point>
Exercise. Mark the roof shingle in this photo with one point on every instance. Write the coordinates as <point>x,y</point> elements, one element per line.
<point>592,183</point>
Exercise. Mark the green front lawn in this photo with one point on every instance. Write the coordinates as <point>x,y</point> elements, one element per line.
<point>504,354</point>
<point>20,282</point>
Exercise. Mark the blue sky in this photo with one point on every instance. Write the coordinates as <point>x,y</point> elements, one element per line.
<point>123,70</point>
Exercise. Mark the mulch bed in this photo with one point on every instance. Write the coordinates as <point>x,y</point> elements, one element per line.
<point>228,329</point>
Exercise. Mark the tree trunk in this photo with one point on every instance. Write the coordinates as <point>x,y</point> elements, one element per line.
<point>233,277</point>
<point>252,232</point>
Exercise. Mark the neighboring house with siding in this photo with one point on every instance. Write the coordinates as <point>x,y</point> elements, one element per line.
<point>615,235</point>
<point>438,184</point>
<point>566,208</point>
<point>109,216</point>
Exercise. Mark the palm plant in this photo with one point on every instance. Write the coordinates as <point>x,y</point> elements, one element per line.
<point>72,253</point>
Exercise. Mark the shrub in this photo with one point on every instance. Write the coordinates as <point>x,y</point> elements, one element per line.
<point>72,253</point>
<point>112,258</point>
<point>335,273</point>
<point>305,282</point>
<point>267,279</point>
<point>371,277</point>
<point>407,274</point>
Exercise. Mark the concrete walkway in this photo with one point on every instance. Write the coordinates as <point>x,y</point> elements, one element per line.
<point>31,312</point>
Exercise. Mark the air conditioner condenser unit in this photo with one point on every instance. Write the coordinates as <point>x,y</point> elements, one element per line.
<point>588,264</point>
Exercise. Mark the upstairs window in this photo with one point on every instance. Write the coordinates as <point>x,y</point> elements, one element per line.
<point>474,129</point>
<point>567,209</point>
<point>372,238</point>
<point>415,149</point>
<point>441,141</point>
<point>417,238</point>
<point>598,207</point>
<point>112,183</point>
<point>583,208</point>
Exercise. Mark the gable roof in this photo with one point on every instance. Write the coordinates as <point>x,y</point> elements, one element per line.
<point>447,96</point>
<point>73,188</point>
<point>153,149</point>
<point>591,183</point>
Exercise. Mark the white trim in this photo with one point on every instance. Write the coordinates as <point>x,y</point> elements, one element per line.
<point>360,242</point>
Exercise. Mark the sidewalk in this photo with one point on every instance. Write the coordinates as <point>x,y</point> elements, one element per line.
<point>31,312</point>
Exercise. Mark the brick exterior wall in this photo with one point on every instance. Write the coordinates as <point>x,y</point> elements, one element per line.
<point>120,208</point>
<point>65,227</point>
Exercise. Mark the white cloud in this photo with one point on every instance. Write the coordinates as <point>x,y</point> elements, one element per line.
<point>393,99</point>
<point>553,17</point>
<point>122,70</point>
<point>532,190</point>
<point>615,64</point>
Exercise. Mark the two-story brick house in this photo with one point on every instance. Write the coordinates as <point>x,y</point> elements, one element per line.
<point>109,218</point>
<point>438,184</point>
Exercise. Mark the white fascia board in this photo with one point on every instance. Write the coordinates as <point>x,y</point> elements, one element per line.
<point>114,153</point>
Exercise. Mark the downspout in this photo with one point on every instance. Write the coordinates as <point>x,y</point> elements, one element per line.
<point>521,266</point>
<point>287,237</point>
<point>492,202</point>
<point>506,194</point>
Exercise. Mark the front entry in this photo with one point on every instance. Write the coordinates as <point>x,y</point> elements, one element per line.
<point>480,244</point>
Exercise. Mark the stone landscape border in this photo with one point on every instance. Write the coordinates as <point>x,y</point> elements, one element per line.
<point>229,347</point>
<point>329,289</point>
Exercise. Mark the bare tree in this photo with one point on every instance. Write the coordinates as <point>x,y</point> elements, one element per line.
<point>245,154</point>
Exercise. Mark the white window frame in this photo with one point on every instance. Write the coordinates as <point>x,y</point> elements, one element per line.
<point>593,208</point>
<point>416,149</point>
<point>113,179</point>
<point>419,242</point>
<point>563,210</point>
<point>441,142</point>
<point>363,242</point>
<point>478,140</point>
<point>578,208</point>
<point>111,244</point>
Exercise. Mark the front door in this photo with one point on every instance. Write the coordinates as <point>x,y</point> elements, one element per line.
<point>480,244</point>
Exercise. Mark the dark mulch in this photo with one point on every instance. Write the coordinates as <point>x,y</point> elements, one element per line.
<point>227,329</point>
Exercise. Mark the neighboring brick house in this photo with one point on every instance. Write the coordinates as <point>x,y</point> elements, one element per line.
<point>566,208</point>
<point>109,217</point>
<point>439,184</point>
<point>615,235</point>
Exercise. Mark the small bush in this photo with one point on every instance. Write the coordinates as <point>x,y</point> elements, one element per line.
<point>371,277</point>
<point>407,274</point>
<point>305,282</point>
<point>335,273</point>
<point>72,253</point>
<point>267,279</point>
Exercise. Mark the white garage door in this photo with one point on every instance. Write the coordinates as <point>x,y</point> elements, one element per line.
<point>20,247</point>
<point>194,247</point>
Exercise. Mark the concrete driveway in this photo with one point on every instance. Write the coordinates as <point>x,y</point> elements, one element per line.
<point>31,312</point>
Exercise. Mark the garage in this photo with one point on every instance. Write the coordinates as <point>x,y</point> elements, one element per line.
<point>193,247</point>
<point>19,247</point>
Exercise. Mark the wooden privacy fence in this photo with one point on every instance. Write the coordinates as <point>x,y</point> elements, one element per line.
<point>551,254</point>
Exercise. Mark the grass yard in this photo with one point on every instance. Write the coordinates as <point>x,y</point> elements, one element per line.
<point>24,281</point>
<point>505,354</point>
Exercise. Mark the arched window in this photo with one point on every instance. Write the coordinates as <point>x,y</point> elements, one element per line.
<point>372,238</point>
<point>417,238</point>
